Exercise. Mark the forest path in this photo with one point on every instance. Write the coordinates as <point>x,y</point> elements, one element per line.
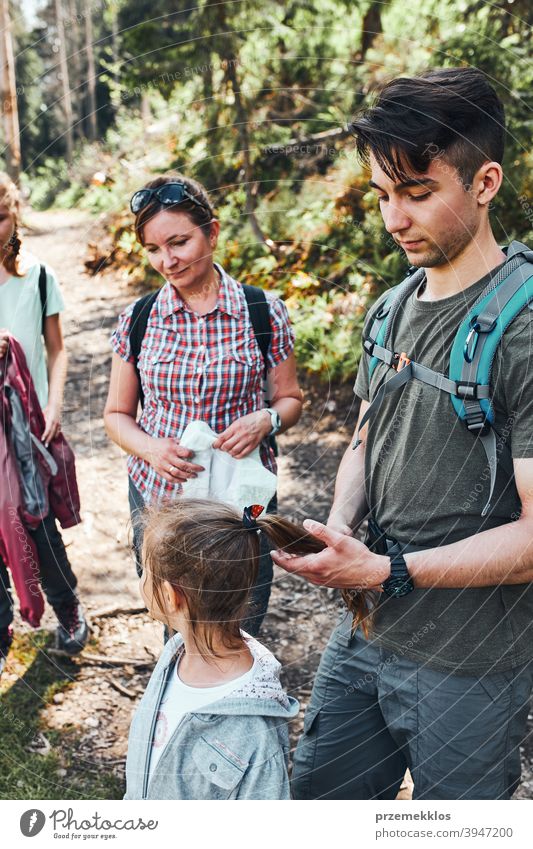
<point>92,712</point>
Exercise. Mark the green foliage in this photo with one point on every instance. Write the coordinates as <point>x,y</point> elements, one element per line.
<point>220,84</point>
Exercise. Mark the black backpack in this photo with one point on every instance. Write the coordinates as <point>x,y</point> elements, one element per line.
<point>259,316</point>
<point>43,295</point>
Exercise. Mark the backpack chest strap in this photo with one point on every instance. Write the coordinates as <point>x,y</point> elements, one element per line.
<point>413,370</point>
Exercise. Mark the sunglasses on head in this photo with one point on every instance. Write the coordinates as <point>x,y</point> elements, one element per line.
<point>168,194</point>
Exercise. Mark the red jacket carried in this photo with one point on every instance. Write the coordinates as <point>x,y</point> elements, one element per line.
<point>32,479</point>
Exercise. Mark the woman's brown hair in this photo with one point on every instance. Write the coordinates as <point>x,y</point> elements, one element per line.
<point>9,197</point>
<point>202,548</point>
<point>201,216</point>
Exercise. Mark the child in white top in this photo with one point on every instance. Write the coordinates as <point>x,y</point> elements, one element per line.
<point>21,316</point>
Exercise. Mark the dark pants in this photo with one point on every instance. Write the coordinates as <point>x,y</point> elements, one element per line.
<point>57,578</point>
<point>260,594</point>
<point>373,713</point>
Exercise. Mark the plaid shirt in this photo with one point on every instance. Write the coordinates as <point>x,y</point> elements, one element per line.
<point>193,367</point>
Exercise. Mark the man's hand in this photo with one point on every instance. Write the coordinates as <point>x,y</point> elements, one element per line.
<point>346,563</point>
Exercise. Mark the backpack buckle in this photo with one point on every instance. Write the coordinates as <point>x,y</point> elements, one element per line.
<point>476,422</point>
<point>467,391</point>
<point>471,340</point>
<point>368,345</point>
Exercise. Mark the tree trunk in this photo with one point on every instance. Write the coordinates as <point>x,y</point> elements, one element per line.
<point>115,54</point>
<point>9,96</point>
<point>67,102</point>
<point>372,27</point>
<point>231,61</point>
<point>250,186</point>
<point>91,72</point>
<point>75,72</point>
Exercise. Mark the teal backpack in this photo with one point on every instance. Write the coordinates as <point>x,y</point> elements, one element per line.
<point>472,354</point>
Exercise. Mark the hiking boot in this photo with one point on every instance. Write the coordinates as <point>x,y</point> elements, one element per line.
<point>73,631</point>
<point>6,638</point>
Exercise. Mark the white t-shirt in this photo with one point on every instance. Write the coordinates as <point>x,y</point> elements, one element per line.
<point>20,313</point>
<point>179,699</point>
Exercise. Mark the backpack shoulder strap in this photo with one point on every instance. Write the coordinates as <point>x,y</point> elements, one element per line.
<point>260,317</point>
<point>481,332</point>
<point>376,344</point>
<point>474,349</point>
<point>43,295</point>
<point>259,312</point>
<point>139,321</point>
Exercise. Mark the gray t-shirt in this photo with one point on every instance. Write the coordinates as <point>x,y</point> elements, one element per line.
<point>427,482</point>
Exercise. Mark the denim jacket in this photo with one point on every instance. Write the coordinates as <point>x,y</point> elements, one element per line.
<point>234,748</point>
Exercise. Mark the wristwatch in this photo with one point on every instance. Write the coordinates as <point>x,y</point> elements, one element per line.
<point>275,418</point>
<point>399,582</point>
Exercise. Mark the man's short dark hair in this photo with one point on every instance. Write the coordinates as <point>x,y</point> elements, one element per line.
<point>449,113</point>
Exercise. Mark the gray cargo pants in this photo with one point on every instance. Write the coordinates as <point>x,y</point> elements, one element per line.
<point>373,713</point>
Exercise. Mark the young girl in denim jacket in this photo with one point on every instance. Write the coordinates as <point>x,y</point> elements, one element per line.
<point>212,723</point>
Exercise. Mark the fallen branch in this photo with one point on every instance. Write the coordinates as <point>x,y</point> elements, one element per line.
<point>115,661</point>
<point>121,689</point>
<point>102,660</point>
<point>106,612</point>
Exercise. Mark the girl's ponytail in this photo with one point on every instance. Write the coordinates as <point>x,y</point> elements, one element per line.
<point>10,198</point>
<point>11,258</point>
<point>293,539</point>
<point>204,549</point>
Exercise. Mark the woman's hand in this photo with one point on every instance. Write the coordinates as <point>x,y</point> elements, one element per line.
<point>244,434</point>
<point>169,459</point>
<point>4,341</point>
<point>52,422</point>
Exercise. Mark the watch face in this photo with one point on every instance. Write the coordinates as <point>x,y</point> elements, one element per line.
<point>398,587</point>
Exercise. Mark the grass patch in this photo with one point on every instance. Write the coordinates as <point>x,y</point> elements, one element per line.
<point>26,774</point>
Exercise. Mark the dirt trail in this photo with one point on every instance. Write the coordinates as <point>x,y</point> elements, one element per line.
<point>95,710</point>
<point>92,710</point>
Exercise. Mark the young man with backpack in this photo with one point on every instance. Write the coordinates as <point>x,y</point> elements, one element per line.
<point>442,465</point>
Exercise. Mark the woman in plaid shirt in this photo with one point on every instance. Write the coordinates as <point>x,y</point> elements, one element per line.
<point>199,359</point>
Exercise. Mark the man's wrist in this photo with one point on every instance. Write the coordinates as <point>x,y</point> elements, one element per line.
<point>338,518</point>
<point>381,569</point>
